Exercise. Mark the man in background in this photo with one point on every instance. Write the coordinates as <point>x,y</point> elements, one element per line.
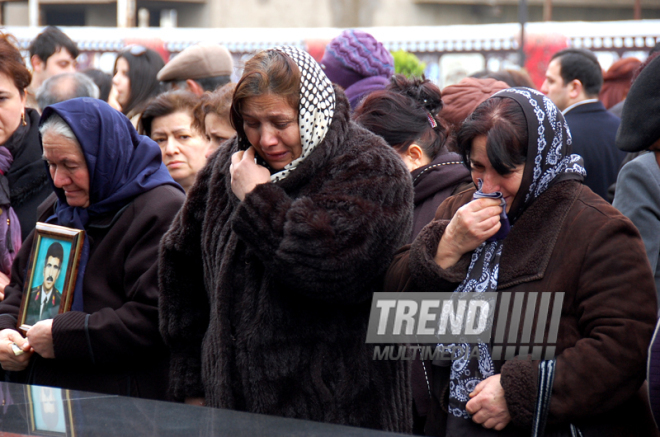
<point>572,81</point>
<point>66,86</point>
<point>198,68</point>
<point>51,53</point>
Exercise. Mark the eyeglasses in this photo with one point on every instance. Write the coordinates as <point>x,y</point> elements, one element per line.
<point>135,50</point>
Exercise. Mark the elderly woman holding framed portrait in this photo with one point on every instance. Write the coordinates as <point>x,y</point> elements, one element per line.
<point>534,230</point>
<point>110,182</point>
<point>268,271</point>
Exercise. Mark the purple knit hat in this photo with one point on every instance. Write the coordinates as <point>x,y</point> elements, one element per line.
<point>354,55</point>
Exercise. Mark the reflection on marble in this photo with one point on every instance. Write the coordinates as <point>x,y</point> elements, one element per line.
<point>33,410</point>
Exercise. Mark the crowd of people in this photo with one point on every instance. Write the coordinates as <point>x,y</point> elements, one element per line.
<point>235,233</point>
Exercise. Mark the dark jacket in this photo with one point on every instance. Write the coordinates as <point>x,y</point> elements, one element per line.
<point>51,307</point>
<point>569,240</point>
<point>593,130</point>
<point>27,176</point>
<point>265,302</point>
<point>638,198</point>
<point>435,182</point>
<point>114,345</point>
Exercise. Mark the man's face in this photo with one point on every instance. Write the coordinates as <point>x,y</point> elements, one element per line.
<point>58,63</point>
<point>51,272</point>
<point>554,86</point>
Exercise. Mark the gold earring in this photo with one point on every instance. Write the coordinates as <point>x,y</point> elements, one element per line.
<point>23,119</point>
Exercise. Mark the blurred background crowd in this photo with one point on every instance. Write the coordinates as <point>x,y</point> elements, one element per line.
<point>327,172</point>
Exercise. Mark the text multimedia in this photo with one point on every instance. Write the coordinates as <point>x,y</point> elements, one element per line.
<point>433,353</point>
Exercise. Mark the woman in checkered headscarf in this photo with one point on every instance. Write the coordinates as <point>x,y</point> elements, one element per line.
<point>268,271</point>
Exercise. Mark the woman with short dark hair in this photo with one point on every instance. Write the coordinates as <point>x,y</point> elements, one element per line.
<point>212,116</point>
<point>533,229</point>
<point>169,121</point>
<point>267,273</point>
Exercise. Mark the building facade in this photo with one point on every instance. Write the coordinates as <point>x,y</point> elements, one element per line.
<point>313,13</point>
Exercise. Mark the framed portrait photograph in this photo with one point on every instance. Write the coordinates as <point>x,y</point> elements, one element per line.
<point>50,411</point>
<point>51,274</point>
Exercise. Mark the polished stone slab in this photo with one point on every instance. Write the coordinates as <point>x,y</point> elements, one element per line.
<point>44,411</point>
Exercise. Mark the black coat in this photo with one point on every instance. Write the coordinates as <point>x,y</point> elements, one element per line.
<point>265,302</point>
<point>114,345</point>
<point>593,130</point>
<point>27,176</point>
<point>51,306</point>
<point>444,176</point>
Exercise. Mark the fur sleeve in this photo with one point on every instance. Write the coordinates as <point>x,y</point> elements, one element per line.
<point>334,243</point>
<point>184,309</point>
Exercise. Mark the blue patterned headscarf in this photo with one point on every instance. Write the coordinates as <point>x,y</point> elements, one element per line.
<point>121,165</point>
<point>549,160</point>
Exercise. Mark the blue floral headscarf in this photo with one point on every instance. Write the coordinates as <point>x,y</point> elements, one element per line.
<point>549,161</point>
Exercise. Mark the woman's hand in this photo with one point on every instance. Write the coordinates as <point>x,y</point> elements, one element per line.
<point>246,174</point>
<point>40,337</point>
<point>8,358</point>
<point>472,224</point>
<point>4,281</point>
<point>200,402</point>
<point>488,406</point>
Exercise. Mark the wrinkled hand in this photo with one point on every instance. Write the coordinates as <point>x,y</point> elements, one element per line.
<point>472,224</point>
<point>4,281</point>
<point>40,337</point>
<point>8,359</point>
<point>488,405</point>
<point>246,174</point>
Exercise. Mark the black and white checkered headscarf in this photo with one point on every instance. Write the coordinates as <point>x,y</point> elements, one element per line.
<point>316,108</point>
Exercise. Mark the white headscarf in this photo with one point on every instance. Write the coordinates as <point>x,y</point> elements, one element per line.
<point>316,108</point>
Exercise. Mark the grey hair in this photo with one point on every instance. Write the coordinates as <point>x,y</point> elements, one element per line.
<point>56,125</point>
<point>66,86</point>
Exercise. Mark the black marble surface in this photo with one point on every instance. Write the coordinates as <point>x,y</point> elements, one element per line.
<point>42,411</point>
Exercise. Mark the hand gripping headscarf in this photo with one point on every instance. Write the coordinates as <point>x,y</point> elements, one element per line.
<point>316,108</point>
<point>549,161</point>
<point>121,165</point>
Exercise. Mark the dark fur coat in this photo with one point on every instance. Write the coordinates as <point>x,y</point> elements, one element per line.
<point>265,302</point>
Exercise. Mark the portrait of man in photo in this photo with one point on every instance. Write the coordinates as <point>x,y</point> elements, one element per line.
<point>44,301</point>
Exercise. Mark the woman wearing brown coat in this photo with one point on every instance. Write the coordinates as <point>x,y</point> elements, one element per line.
<point>563,239</point>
